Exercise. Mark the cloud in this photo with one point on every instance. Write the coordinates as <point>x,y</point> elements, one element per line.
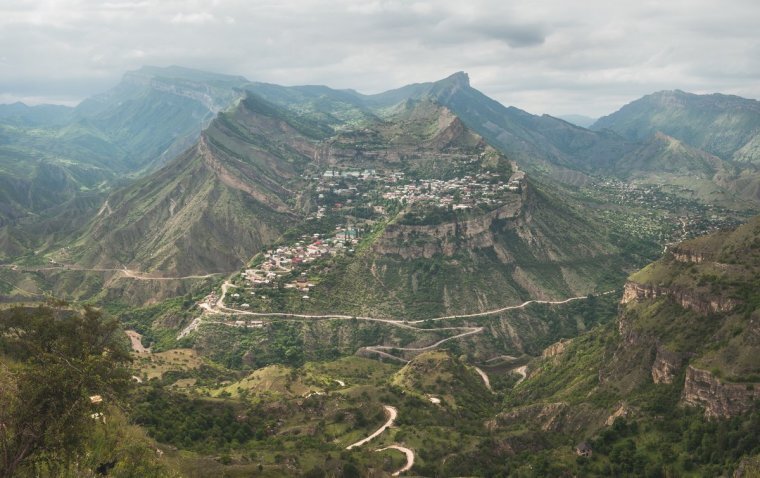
<point>550,56</point>
<point>197,18</point>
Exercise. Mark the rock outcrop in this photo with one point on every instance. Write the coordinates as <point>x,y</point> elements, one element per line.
<point>623,411</point>
<point>666,365</point>
<point>719,399</point>
<point>557,348</point>
<point>413,241</point>
<point>683,254</point>
<point>688,299</point>
<point>550,416</point>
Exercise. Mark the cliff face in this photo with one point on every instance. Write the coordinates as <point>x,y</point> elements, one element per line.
<point>715,327</point>
<point>684,254</point>
<point>719,399</point>
<point>412,241</point>
<point>666,365</point>
<point>688,299</point>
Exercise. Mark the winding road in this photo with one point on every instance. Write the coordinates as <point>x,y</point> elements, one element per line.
<point>409,457</point>
<point>381,350</point>
<point>392,414</point>
<point>128,273</point>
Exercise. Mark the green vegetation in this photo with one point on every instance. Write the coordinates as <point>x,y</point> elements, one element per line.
<point>393,206</point>
<point>57,368</point>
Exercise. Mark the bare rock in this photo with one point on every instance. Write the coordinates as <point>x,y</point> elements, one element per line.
<point>719,399</point>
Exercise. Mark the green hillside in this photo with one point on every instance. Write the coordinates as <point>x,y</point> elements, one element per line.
<point>685,335</point>
<point>50,155</point>
<point>211,208</point>
<point>724,125</point>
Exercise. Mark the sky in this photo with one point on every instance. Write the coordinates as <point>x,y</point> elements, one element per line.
<point>544,56</point>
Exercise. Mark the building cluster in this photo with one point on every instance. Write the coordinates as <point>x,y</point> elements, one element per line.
<point>655,202</point>
<point>459,193</point>
<point>282,260</point>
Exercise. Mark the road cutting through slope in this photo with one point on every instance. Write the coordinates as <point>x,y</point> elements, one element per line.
<point>392,414</point>
<point>381,350</point>
<point>409,457</point>
<point>485,378</point>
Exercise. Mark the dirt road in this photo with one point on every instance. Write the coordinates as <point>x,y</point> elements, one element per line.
<point>485,378</point>
<point>409,457</point>
<point>392,414</point>
<point>136,340</point>
<point>523,371</point>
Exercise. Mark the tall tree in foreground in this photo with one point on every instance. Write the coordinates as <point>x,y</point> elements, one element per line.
<point>52,361</point>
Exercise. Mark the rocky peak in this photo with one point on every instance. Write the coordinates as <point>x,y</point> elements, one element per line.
<point>460,79</point>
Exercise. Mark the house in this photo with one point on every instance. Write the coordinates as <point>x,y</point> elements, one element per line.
<point>583,449</point>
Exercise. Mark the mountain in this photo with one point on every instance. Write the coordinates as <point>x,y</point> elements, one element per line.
<point>260,169</point>
<point>51,155</point>
<point>311,159</point>
<point>155,113</point>
<point>214,206</point>
<point>536,142</point>
<point>723,125</point>
<point>20,114</point>
<point>325,283</point>
<point>578,120</point>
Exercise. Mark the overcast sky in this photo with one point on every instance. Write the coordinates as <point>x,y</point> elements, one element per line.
<point>545,56</point>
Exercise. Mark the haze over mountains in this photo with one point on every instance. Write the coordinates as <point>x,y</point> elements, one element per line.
<point>303,263</point>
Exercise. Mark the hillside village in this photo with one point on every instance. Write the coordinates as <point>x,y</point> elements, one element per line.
<point>338,189</point>
<point>665,215</point>
<point>288,269</point>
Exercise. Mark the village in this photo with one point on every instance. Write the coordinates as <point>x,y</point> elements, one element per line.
<point>341,189</point>
<point>664,216</point>
<point>286,272</point>
<point>484,188</point>
<point>284,268</point>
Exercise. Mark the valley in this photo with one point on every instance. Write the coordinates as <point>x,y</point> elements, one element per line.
<point>317,282</point>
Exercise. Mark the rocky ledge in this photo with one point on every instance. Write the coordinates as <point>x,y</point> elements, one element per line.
<point>688,299</point>
<point>411,241</point>
<point>666,365</point>
<point>719,399</point>
<point>684,254</point>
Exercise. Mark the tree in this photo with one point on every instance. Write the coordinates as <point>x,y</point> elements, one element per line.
<point>53,360</point>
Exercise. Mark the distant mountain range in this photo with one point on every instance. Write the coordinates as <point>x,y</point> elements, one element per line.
<point>723,125</point>
<point>298,265</point>
<point>578,120</point>
<point>182,172</point>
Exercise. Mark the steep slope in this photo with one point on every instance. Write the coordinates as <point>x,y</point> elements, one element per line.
<point>724,125</point>
<point>534,141</point>
<point>664,154</point>
<point>213,207</point>
<point>155,113</point>
<point>687,334</point>
<point>439,208</point>
<point>51,155</point>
